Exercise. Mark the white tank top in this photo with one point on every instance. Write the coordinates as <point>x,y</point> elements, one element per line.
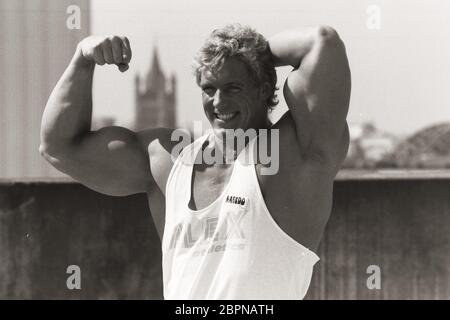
<point>231,249</point>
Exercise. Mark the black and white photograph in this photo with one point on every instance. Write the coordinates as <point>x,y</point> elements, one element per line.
<point>224,150</point>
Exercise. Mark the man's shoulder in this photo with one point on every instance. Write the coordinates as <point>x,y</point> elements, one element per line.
<point>163,146</point>
<point>159,142</point>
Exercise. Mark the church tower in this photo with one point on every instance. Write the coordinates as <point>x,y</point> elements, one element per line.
<point>155,98</point>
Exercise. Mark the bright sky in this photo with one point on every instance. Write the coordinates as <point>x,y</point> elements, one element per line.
<point>400,72</point>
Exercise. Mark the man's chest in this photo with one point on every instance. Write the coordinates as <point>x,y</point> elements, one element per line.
<point>208,184</point>
<point>298,203</point>
<point>289,197</point>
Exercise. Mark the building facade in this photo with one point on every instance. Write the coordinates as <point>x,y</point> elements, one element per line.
<point>37,41</point>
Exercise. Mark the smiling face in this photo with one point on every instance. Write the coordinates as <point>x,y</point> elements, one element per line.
<point>231,99</point>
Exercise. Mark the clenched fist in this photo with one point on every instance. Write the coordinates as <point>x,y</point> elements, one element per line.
<point>106,49</point>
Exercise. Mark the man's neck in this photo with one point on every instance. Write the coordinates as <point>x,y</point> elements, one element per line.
<point>230,145</point>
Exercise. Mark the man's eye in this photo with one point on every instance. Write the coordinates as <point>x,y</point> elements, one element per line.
<point>234,89</point>
<point>209,91</point>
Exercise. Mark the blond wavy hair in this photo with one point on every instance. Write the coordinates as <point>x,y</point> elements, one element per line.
<point>244,43</point>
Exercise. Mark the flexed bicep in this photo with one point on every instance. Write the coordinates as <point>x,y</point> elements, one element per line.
<point>111,161</point>
<point>317,93</point>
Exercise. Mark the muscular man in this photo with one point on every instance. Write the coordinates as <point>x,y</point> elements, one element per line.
<point>227,230</point>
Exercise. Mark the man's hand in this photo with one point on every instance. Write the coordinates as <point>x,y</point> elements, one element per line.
<point>105,49</point>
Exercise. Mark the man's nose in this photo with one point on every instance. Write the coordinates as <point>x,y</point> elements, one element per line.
<point>218,98</point>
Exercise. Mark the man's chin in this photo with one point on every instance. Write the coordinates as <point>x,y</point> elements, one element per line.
<point>225,128</point>
<point>221,132</point>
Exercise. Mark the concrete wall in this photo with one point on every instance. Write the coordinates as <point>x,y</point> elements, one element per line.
<point>45,227</point>
<point>402,226</point>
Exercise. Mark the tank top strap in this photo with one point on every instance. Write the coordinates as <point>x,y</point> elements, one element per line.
<point>179,181</point>
<point>248,156</point>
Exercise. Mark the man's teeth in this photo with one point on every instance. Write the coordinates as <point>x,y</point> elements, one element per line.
<point>225,116</point>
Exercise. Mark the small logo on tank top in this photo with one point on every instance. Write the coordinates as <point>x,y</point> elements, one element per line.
<point>235,200</point>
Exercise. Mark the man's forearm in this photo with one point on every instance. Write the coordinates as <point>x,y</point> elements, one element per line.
<point>67,114</point>
<point>291,46</point>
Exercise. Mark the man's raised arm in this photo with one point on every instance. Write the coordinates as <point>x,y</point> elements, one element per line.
<point>112,160</point>
<point>317,90</point>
